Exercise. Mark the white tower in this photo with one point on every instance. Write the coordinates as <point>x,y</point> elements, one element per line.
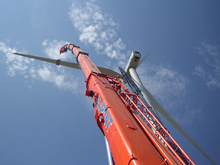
<point>130,69</point>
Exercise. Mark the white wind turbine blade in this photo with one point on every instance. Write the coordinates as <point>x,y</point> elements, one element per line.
<point>109,72</point>
<point>142,60</point>
<point>70,64</point>
<point>57,62</point>
<point>163,112</point>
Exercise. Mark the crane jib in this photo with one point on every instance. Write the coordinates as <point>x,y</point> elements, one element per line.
<point>115,107</point>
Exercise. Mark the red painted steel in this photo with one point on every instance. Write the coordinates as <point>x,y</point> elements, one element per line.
<point>130,140</point>
<point>148,121</point>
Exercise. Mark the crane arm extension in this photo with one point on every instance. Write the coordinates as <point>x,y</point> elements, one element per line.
<point>127,141</point>
<point>78,51</point>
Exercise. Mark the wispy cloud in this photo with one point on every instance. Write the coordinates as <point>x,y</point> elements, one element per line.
<point>15,63</point>
<point>52,49</point>
<point>97,28</point>
<point>166,84</point>
<point>57,76</point>
<point>189,115</point>
<point>171,89</point>
<point>209,71</point>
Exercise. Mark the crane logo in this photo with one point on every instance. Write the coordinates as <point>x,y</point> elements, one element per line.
<point>104,113</point>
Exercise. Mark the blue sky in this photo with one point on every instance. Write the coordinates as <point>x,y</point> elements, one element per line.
<point>45,117</point>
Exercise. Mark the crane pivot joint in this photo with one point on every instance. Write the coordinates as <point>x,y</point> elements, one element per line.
<point>89,93</point>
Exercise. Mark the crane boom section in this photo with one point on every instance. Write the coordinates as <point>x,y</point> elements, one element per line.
<point>128,141</point>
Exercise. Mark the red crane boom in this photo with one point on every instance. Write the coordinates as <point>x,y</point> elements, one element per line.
<point>134,135</point>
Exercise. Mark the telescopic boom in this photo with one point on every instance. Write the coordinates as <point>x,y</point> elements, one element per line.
<point>133,134</point>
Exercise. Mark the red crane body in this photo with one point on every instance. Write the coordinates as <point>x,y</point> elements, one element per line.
<point>130,138</point>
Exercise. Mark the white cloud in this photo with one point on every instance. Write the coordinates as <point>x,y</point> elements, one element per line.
<point>170,88</point>
<point>166,84</point>
<point>199,71</point>
<point>60,79</point>
<point>210,70</point>
<point>189,115</point>
<point>96,28</point>
<point>52,49</point>
<point>89,35</point>
<point>26,67</point>
<point>44,73</point>
<point>15,63</point>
